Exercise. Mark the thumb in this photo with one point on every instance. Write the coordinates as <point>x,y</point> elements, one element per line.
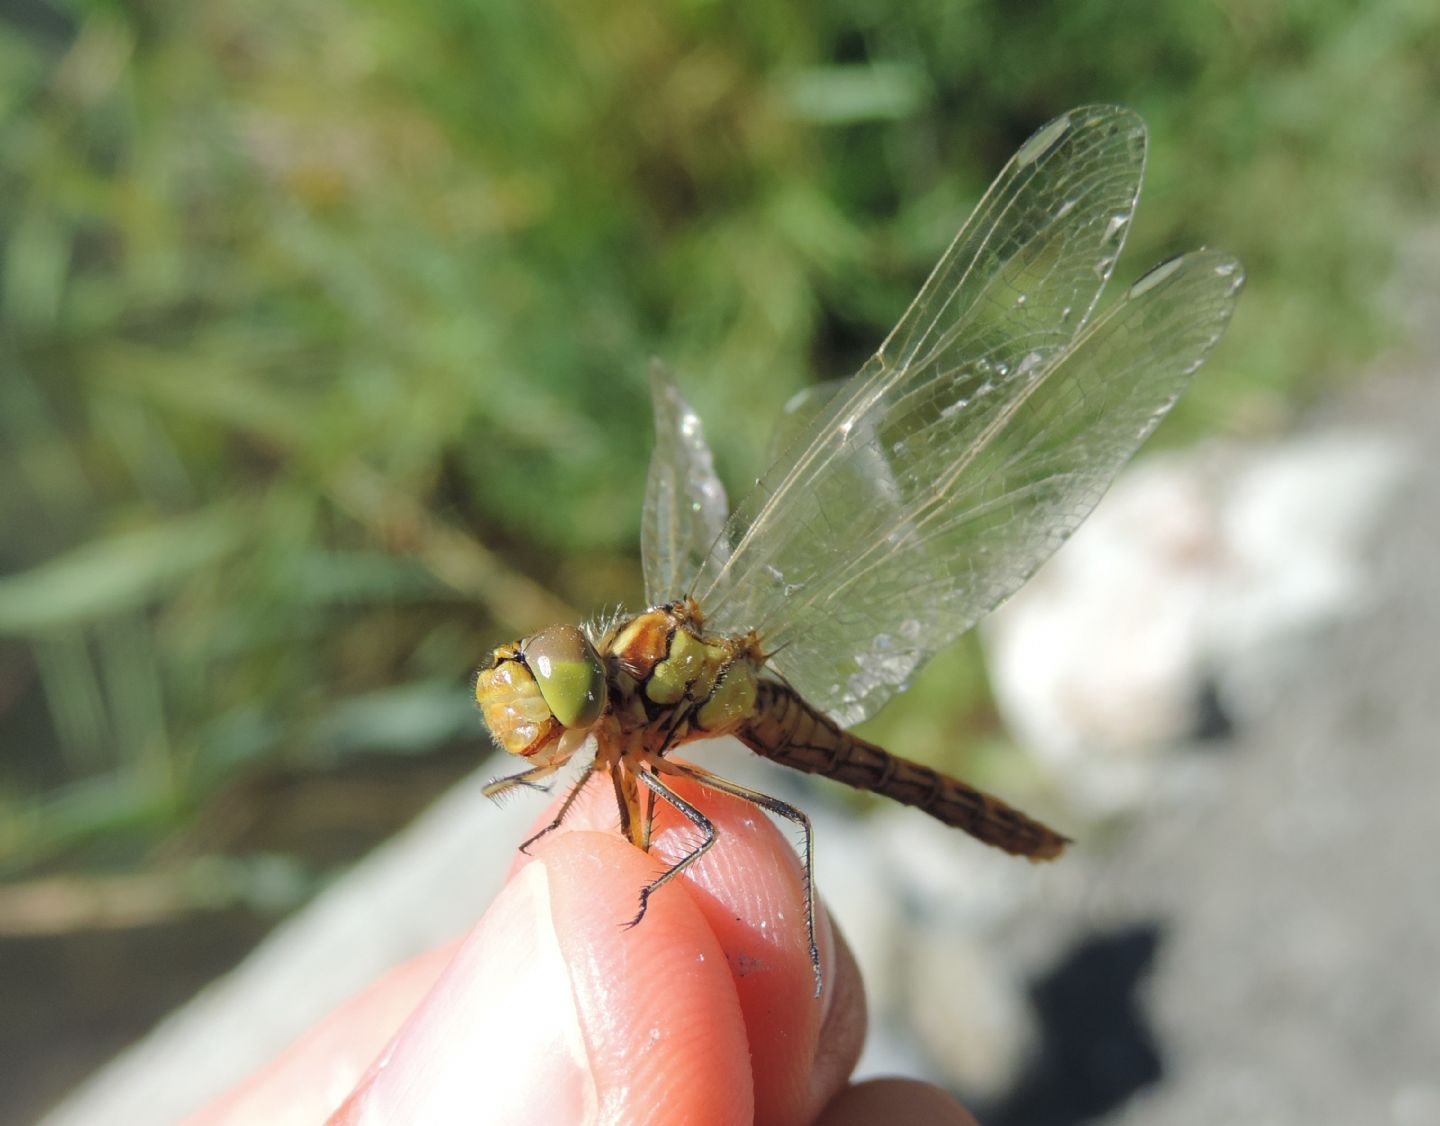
<point>529,1023</point>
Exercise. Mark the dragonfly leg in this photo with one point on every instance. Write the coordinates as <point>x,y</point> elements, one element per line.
<point>691,814</point>
<point>780,809</point>
<point>499,787</point>
<point>585,776</point>
<point>649,824</point>
<point>623,781</point>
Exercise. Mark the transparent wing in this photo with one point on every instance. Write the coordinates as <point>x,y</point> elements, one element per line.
<point>1014,288</point>
<point>983,433</point>
<point>799,412</point>
<point>970,531</point>
<point>685,505</point>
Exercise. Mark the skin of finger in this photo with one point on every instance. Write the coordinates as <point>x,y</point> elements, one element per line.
<point>328,1057</point>
<point>895,1100</point>
<point>498,1038</point>
<point>306,1081</point>
<point>656,1004</point>
<point>749,889</point>
<point>501,1028</point>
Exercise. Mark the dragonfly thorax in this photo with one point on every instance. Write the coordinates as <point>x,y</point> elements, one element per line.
<point>671,682</point>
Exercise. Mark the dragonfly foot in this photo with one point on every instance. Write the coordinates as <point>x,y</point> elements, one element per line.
<point>644,903</point>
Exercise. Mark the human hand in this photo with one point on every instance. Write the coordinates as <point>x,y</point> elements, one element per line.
<point>550,1011</point>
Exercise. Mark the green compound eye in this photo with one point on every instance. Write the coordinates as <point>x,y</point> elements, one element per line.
<point>568,671</point>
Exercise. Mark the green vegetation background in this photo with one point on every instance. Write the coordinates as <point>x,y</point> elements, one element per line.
<point>323,325</point>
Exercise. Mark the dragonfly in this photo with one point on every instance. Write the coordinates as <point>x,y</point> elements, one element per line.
<point>906,502</point>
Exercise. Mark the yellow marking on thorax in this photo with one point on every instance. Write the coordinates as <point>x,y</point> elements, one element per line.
<point>642,643</point>
<point>731,701</point>
<point>690,668</point>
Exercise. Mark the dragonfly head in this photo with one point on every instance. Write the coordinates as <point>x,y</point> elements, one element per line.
<point>534,690</point>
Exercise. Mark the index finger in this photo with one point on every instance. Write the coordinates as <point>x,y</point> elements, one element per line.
<point>749,891</point>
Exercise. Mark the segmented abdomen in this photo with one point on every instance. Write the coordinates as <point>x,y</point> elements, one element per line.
<point>786,729</point>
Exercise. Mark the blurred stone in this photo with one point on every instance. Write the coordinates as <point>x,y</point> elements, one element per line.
<point>1295,983</point>
<point>926,910</point>
<point>946,873</point>
<point>1199,581</point>
<point>968,1008</point>
<point>863,899</point>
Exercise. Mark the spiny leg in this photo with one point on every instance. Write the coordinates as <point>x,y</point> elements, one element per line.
<point>617,780</point>
<point>585,776</point>
<point>649,825</point>
<point>781,809</point>
<point>691,814</point>
<point>499,787</point>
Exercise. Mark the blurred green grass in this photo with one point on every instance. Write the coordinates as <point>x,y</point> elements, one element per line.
<point>323,326</point>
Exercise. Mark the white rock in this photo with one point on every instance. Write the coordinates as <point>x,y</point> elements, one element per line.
<point>969,1011</point>
<point>931,865</point>
<point>1210,567</point>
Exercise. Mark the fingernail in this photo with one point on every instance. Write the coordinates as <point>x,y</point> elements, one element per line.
<point>498,1038</point>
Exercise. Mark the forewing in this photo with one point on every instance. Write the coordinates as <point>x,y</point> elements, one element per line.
<point>799,413</point>
<point>864,478</point>
<point>1014,288</point>
<point>685,506</point>
<point>980,509</point>
<point>1025,271</point>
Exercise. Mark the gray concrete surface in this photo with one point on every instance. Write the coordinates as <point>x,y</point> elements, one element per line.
<point>1298,975</point>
